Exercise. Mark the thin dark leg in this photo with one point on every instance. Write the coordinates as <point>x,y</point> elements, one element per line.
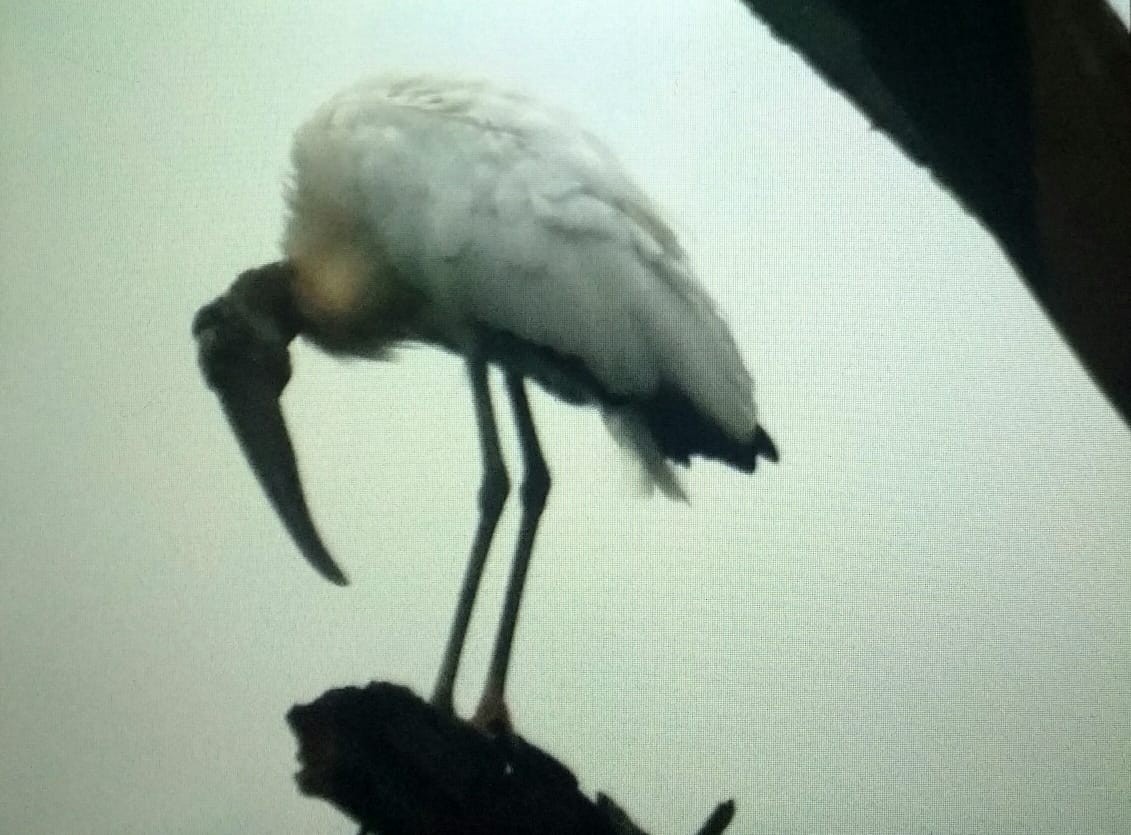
<point>493,492</point>
<point>535,487</point>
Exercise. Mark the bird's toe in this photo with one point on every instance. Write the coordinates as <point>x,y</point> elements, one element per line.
<point>493,718</point>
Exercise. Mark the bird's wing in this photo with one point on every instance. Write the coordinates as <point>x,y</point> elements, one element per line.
<point>506,214</point>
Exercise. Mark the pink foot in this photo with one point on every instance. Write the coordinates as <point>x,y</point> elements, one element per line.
<point>492,717</point>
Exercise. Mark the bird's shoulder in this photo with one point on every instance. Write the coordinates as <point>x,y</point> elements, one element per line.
<point>475,108</point>
<point>440,139</point>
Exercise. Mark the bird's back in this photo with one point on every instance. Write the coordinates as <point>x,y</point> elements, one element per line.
<point>505,216</point>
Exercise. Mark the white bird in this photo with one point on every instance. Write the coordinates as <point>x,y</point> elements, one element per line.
<point>463,216</point>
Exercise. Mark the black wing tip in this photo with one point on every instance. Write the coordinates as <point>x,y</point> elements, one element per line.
<point>764,446</point>
<point>744,455</point>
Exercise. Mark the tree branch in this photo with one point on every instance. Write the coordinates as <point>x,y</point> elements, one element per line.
<point>1022,109</point>
<point>398,766</point>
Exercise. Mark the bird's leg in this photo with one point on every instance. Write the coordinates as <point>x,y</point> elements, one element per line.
<point>493,492</point>
<point>492,712</point>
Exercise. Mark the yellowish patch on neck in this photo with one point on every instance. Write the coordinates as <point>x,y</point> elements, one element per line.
<point>349,297</point>
<point>330,282</point>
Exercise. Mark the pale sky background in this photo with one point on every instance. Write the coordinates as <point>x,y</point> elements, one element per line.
<point>919,622</point>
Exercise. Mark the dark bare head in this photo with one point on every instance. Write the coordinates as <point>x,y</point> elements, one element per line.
<point>242,340</point>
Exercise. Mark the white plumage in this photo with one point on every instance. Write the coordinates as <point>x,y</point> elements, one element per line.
<point>502,212</point>
<point>455,214</point>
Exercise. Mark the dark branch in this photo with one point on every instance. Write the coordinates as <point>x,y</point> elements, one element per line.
<point>398,766</point>
<point>1022,109</point>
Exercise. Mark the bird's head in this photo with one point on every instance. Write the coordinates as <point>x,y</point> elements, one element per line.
<point>242,340</point>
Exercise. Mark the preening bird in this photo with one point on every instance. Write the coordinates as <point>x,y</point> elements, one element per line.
<point>470,218</point>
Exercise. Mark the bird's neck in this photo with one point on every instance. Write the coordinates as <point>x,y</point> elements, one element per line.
<point>266,293</point>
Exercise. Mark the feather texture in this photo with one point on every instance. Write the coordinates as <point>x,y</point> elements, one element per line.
<point>498,213</point>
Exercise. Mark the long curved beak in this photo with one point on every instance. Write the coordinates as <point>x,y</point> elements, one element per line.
<point>257,421</point>
<point>248,374</point>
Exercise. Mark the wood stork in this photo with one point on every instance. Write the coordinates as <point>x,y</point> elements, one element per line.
<point>459,215</point>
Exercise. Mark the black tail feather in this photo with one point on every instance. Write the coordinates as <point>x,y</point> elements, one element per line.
<point>765,446</point>
<point>678,426</point>
<point>681,430</point>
